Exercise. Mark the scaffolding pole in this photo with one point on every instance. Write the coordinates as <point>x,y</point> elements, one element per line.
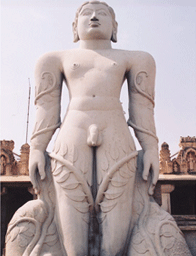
<point>28,110</point>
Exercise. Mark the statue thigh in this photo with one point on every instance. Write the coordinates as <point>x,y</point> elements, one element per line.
<point>72,206</point>
<point>116,204</point>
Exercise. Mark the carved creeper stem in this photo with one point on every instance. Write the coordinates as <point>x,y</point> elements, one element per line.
<point>78,177</point>
<point>109,175</point>
<point>53,79</point>
<point>36,236</point>
<point>137,81</point>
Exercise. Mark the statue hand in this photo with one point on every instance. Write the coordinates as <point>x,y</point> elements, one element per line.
<point>36,161</point>
<point>151,160</point>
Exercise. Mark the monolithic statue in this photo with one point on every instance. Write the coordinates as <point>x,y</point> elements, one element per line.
<point>92,198</point>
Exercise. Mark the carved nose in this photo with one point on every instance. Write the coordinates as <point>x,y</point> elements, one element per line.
<point>94,18</point>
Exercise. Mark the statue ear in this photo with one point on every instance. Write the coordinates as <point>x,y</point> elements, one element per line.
<point>114,32</point>
<point>75,32</point>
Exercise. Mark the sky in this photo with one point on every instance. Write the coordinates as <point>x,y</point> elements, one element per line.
<point>164,28</point>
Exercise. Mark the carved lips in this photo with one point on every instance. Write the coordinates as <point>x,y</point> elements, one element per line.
<point>94,24</point>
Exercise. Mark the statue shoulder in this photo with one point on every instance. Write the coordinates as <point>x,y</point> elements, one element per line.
<point>51,60</point>
<point>140,58</point>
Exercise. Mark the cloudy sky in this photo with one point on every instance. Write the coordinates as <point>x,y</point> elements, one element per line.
<point>164,28</point>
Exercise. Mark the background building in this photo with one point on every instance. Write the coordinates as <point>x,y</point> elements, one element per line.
<point>16,188</point>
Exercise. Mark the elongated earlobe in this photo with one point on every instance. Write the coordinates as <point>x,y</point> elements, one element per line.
<point>75,32</point>
<point>114,37</point>
<point>114,32</point>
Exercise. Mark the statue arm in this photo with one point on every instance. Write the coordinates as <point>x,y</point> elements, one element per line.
<point>48,83</point>
<point>141,80</point>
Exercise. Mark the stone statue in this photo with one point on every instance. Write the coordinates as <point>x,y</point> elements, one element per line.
<point>94,190</point>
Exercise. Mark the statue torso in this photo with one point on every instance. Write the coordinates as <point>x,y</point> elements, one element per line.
<point>94,78</point>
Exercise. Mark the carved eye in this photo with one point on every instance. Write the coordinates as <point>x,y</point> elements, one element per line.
<point>86,13</point>
<point>102,13</point>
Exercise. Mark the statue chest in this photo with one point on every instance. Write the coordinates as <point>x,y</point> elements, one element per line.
<point>94,67</point>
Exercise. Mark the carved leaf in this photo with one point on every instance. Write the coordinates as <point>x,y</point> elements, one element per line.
<point>22,241</point>
<point>63,150</point>
<point>55,93</point>
<point>110,196</point>
<point>117,183</point>
<point>57,147</point>
<point>167,241</point>
<point>73,154</point>
<point>53,164</point>
<point>137,238</point>
<point>102,217</point>
<point>14,233</point>
<point>82,207</point>
<point>154,210</point>
<point>51,240</point>
<point>131,165</point>
<point>86,218</point>
<point>7,238</point>
<point>84,167</point>
<point>107,207</point>
<point>29,233</point>
<point>23,229</point>
<point>52,229</point>
<point>58,171</point>
<point>104,162</point>
<point>76,198</point>
<point>141,248</point>
<point>27,229</point>
<point>70,185</point>
<point>114,151</point>
<point>151,226</point>
<point>124,144</point>
<point>139,79</point>
<point>168,236</point>
<point>40,214</point>
<point>99,177</point>
<point>125,173</point>
<point>63,178</point>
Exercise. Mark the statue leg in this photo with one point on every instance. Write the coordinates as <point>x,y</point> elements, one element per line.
<point>155,231</point>
<point>116,159</point>
<point>71,167</point>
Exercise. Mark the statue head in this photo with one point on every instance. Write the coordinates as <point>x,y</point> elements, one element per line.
<point>106,11</point>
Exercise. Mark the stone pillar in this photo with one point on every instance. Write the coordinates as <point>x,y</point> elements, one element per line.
<point>166,189</point>
<point>24,160</point>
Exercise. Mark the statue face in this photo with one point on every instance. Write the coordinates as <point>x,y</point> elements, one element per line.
<point>94,22</point>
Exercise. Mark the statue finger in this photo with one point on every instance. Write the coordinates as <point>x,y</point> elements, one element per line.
<point>155,174</point>
<point>151,189</point>
<point>32,174</point>
<point>41,168</point>
<point>146,169</point>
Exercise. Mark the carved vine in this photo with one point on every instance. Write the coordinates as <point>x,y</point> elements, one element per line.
<point>108,177</point>
<point>78,176</point>
<point>47,129</point>
<point>137,81</point>
<point>52,81</point>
